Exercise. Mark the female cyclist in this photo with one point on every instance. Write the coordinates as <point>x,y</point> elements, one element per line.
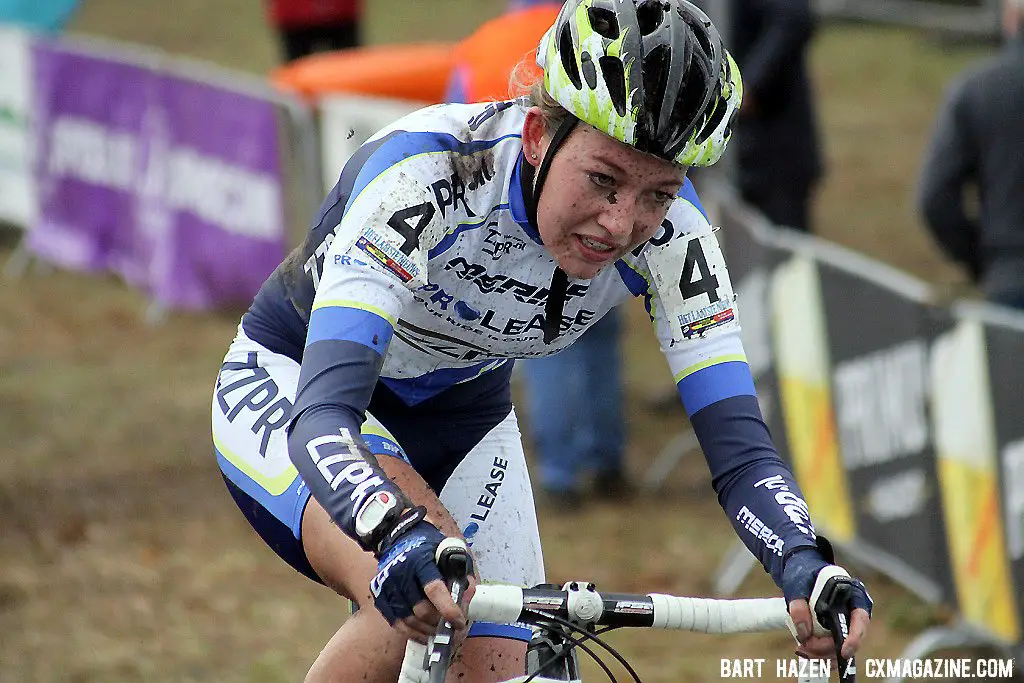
<point>363,411</point>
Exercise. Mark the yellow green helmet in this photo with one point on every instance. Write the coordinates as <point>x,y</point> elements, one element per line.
<point>651,73</point>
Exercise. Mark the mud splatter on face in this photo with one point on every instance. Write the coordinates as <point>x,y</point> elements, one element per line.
<point>611,198</point>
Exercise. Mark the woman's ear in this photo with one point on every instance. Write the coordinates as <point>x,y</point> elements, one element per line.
<point>535,137</point>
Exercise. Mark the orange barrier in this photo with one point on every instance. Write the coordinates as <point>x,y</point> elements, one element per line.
<point>422,71</point>
<point>486,58</point>
<point>417,71</point>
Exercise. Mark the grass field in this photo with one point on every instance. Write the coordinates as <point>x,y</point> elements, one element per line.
<point>123,558</point>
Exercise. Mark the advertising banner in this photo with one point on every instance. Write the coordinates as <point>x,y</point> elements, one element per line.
<point>801,342</point>
<point>1005,349</point>
<point>965,441</point>
<point>174,184</point>
<point>879,346</point>
<point>17,188</point>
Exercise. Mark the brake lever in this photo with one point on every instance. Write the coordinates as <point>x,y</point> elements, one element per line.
<point>832,610</point>
<point>454,562</point>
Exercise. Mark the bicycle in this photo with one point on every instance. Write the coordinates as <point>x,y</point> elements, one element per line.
<point>565,620</point>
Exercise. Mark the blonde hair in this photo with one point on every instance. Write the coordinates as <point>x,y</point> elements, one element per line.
<point>527,84</point>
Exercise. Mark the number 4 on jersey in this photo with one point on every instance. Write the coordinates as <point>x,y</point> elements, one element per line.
<point>409,223</point>
<point>697,277</point>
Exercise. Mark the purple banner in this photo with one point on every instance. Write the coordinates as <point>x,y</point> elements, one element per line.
<point>173,184</point>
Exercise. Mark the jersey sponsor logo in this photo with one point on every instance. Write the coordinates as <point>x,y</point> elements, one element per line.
<point>760,530</point>
<point>332,449</point>
<point>792,504</point>
<point>499,244</point>
<point>436,343</point>
<point>377,254</point>
<point>698,322</point>
<point>258,398</point>
<point>395,556</point>
<point>491,110</point>
<point>443,300</point>
<point>377,247</point>
<point>486,501</point>
<point>522,292</point>
<point>449,192</point>
<point>515,327</point>
<point>314,265</point>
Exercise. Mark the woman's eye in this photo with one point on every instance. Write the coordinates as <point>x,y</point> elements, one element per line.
<point>602,180</point>
<point>663,197</point>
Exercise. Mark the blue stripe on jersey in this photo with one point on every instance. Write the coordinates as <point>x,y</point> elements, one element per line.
<point>286,507</point>
<point>339,323</point>
<point>689,193</point>
<point>408,144</point>
<point>418,389</point>
<point>633,280</point>
<point>450,238</point>
<point>485,629</point>
<point>715,383</point>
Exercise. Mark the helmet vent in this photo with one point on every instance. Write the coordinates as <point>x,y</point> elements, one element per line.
<point>589,70</point>
<point>604,22</point>
<point>615,78</point>
<point>565,49</point>
<point>649,16</point>
<point>699,31</point>
<point>656,67</point>
<point>712,122</point>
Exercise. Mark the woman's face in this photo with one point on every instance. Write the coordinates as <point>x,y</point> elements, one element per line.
<point>601,197</point>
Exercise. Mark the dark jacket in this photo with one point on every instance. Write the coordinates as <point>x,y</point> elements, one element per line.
<point>777,135</point>
<point>978,144</point>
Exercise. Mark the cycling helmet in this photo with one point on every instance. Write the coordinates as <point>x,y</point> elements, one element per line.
<point>651,73</point>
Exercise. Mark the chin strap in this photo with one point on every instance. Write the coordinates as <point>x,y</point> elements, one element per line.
<point>531,196</point>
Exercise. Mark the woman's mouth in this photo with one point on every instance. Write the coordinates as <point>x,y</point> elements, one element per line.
<point>594,250</point>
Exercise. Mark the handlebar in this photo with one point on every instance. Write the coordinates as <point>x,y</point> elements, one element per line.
<point>581,603</point>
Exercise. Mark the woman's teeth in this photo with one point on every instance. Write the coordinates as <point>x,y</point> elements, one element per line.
<point>596,246</point>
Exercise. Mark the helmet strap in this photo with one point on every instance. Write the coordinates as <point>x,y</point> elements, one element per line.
<point>531,195</point>
<point>533,179</point>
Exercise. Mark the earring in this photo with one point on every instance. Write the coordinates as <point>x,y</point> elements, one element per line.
<point>534,156</point>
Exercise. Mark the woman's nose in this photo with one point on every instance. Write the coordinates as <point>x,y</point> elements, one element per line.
<point>618,218</point>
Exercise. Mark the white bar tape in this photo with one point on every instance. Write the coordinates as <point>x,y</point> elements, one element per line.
<point>706,615</point>
<point>498,603</point>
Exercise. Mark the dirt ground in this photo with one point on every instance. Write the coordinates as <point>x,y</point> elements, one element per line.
<point>123,559</point>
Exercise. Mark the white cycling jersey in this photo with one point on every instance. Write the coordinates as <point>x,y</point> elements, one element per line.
<point>423,272</point>
<point>435,241</point>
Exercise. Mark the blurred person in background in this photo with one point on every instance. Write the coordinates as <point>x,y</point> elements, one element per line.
<point>305,27</point>
<point>363,411</point>
<point>777,150</point>
<point>971,186</point>
<point>574,398</point>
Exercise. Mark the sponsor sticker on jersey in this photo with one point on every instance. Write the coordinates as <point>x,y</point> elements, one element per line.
<point>697,323</point>
<point>375,246</point>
